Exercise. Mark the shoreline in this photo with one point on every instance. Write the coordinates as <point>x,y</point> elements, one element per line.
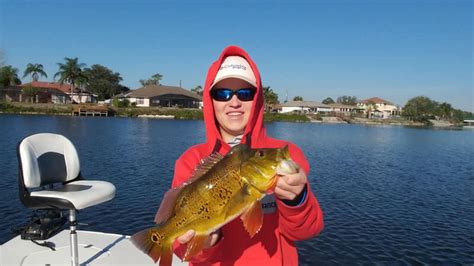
<point>196,114</point>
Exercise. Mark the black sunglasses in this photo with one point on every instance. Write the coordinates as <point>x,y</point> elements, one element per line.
<point>224,95</point>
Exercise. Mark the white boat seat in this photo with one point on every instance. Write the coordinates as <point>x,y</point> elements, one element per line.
<point>50,178</point>
<point>47,160</point>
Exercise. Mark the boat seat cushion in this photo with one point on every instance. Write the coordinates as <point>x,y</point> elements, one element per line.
<point>82,193</point>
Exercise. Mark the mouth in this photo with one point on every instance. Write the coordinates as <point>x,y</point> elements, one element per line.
<point>235,114</point>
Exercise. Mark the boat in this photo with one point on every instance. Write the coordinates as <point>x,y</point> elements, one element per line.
<point>51,184</point>
<point>468,124</point>
<point>95,248</point>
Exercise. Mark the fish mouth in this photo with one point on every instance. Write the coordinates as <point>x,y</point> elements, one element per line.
<point>287,166</point>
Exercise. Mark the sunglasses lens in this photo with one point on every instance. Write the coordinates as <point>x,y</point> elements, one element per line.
<point>224,95</point>
<point>221,94</point>
<point>245,94</point>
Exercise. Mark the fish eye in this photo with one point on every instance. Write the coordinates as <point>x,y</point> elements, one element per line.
<point>261,153</point>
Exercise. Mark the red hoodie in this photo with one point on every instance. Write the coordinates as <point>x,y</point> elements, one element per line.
<point>282,224</point>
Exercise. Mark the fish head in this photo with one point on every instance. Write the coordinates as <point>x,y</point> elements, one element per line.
<point>263,165</point>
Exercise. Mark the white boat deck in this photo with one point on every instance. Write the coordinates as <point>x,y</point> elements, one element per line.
<point>95,248</point>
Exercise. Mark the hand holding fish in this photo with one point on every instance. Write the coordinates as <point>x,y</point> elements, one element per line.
<point>289,186</point>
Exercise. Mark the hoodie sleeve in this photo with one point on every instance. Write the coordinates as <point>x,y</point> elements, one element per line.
<point>183,170</point>
<point>305,220</point>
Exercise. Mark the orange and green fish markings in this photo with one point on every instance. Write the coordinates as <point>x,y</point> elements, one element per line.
<point>221,189</point>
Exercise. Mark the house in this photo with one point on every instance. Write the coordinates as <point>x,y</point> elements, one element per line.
<point>77,95</point>
<point>164,96</point>
<point>10,93</point>
<point>377,107</point>
<point>304,107</point>
<point>50,92</point>
<point>45,92</point>
<point>343,109</point>
<point>34,93</point>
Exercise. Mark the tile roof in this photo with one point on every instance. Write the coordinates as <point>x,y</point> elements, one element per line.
<point>376,100</point>
<point>158,90</point>
<point>66,88</point>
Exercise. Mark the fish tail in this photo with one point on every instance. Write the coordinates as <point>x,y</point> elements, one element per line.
<point>152,242</point>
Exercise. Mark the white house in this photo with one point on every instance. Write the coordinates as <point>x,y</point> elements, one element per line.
<point>343,108</point>
<point>377,107</point>
<point>304,107</point>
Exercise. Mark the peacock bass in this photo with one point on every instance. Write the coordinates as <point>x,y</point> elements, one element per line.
<point>221,189</point>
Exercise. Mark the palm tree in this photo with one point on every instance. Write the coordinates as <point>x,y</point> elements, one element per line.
<point>270,98</point>
<point>9,76</point>
<point>71,72</point>
<point>35,70</point>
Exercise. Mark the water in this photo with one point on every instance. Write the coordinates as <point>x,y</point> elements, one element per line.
<point>389,194</point>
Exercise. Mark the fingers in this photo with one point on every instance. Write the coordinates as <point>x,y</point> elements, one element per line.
<point>186,237</point>
<point>290,186</point>
<point>212,240</point>
<point>284,194</point>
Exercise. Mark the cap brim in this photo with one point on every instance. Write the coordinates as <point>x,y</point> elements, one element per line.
<point>234,76</point>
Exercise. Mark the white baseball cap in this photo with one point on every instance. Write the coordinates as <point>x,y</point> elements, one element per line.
<point>235,67</point>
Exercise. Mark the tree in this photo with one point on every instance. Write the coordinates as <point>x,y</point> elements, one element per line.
<point>103,81</point>
<point>154,80</point>
<point>9,76</point>
<point>445,110</point>
<point>298,98</point>
<point>198,90</point>
<point>30,92</point>
<point>372,106</point>
<point>71,72</point>
<point>347,100</point>
<point>270,98</point>
<point>419,108</point>
<point>34,70</point>
<point>328,100</point>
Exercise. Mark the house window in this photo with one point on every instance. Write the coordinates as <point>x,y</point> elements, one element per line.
<point>140,101</point>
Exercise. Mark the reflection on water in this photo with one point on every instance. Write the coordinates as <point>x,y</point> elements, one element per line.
<point>389,194</point>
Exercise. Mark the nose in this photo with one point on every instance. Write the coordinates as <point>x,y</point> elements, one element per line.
<point>234,101</point>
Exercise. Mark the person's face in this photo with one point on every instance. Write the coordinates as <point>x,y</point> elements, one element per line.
<point>234,114</point>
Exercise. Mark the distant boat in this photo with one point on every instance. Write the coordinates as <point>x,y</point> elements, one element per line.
<point>468,123</point>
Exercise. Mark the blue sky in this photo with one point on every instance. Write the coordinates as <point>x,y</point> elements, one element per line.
<point>391,49</point>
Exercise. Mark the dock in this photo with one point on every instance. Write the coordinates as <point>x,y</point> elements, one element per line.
<point>90,110</point>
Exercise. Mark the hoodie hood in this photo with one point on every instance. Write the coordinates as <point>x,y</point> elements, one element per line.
<point>254,131</point>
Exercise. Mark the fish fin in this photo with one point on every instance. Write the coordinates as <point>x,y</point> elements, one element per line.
<point>204,166</point>
<point>253,218</point>
<point>195,246</point>
<point>142,240</point>
<point>166,256</point>
<point>241,148</point>
<point>237,202</point>
<point>167,205</point>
